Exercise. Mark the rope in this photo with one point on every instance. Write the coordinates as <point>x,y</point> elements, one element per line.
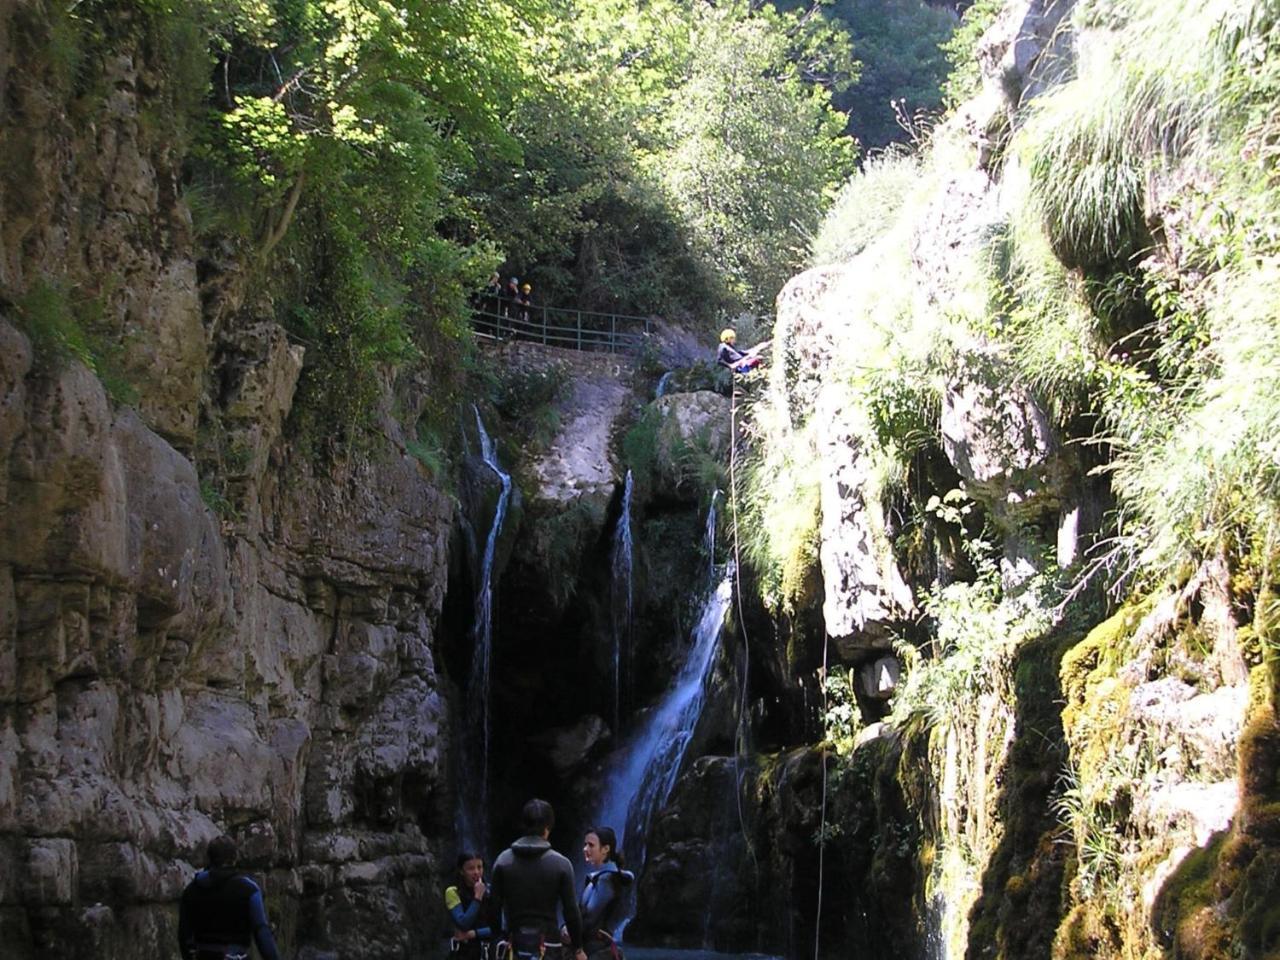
<point>746,659</point>
<point>740,740</point>
<point>822,823</point>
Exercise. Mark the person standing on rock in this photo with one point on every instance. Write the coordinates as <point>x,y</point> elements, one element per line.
<point>222,912</point>
<point>530,881</point>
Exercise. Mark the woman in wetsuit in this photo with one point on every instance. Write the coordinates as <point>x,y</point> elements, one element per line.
<point>470,909</point>
<point>604,895</point>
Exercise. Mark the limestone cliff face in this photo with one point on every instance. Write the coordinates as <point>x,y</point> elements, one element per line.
<point>1059,772</point>
<point>169,673</point>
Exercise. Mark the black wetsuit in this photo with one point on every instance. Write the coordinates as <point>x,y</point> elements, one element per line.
<point>530,880</point>
<point>220,913</point>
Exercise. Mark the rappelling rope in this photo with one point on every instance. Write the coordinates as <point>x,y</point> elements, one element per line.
<point>822,821</point>
<point>746,659</point>
<point>740,740</point>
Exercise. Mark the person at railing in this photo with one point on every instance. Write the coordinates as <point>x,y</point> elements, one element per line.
<point>525,301</point>
<point>510,298</point>
<point>492,292</point>
<point>728,355</point>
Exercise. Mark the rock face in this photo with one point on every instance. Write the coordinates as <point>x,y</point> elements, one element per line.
<point>163,683</point>
<point>180,659</point>
<point>692,432</point>
<point>865,594</point>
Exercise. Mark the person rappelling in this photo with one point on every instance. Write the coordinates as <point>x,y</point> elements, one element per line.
<point>728,354</point>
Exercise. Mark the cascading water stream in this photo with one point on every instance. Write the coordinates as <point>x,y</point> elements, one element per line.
<point>645,770</point>
<point>661,389</point>
<point>622,602</point>
<point>478,714</point>
<point>709,537</point>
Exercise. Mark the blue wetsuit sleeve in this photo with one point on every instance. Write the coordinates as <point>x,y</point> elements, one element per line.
<point>261,929</point>
<point>463,919</point>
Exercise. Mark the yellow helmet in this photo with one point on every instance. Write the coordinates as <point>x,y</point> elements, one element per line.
<point>526,288</point>
<point>727,335</point>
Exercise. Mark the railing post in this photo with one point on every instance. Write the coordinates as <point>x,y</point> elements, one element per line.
<point>544,324</point>
<point>613,333</point>
<point>579,329</point>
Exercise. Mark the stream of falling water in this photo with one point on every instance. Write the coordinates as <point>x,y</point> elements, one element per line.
<point>645,769</point>
<point>622,604</point>
<point>478,712</point>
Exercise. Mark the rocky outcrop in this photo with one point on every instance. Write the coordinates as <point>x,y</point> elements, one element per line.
<point>167,683</point>
<point>201,629</point>
<point>692,439</point>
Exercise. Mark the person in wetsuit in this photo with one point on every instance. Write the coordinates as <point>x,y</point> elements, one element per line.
<point>221,911</point>
<point>530,880</point>
<point>470,909</point>
<point>604,894</point>
<point>728,354</point>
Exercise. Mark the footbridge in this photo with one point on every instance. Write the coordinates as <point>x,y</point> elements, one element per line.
<point>502,320</point>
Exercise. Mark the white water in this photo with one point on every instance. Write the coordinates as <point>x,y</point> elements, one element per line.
<point>662,384</point>
<point>622,604</point>
<point>644,771</point>
<point>709,537</point>
<point>478,713</point>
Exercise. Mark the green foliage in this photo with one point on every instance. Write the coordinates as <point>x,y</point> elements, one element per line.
<point>866,206</point>
<point>640,448</point>
<point>961,51</point>
<point>65,324</point>
<point>697,464</point>
<point>842,718</point>
<point>900,45</point>
<point>1186,394</point>
<point>781,514</point>
<point>671,152</point>
<point>975,631</point>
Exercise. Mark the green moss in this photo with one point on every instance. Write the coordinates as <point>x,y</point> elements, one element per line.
<point>1089,669</point>
<point>1087,933</point>
<point>1179,912</point>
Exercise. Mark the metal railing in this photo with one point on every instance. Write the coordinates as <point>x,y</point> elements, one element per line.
<point>559,327</point>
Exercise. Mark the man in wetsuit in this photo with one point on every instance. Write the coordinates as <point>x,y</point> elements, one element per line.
<point>529,881</point>
<point>222,911</point>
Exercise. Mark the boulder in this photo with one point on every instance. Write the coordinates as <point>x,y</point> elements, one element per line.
<point>879,679</point>
<point>692,440</point>
<point>865,593</point>
<point>568,748</point>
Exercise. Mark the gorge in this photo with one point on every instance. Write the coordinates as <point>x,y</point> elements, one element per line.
<point>950,633</point>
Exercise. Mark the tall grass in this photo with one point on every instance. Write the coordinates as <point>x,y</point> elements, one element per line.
<point>866,206</point>
<point>1170,121</point>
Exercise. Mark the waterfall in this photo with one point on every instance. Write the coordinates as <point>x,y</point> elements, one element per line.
<point>662,384</point>
<point>478,714</point>
<point>644,771</point>
<point>709,537</point>
<point>622,605</point>
<point>935,941</point>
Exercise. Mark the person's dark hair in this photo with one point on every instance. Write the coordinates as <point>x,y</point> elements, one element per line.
<point>536,816</point>
<point>464,857</point>
<point>222,851</point>
<point>609,839</point>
